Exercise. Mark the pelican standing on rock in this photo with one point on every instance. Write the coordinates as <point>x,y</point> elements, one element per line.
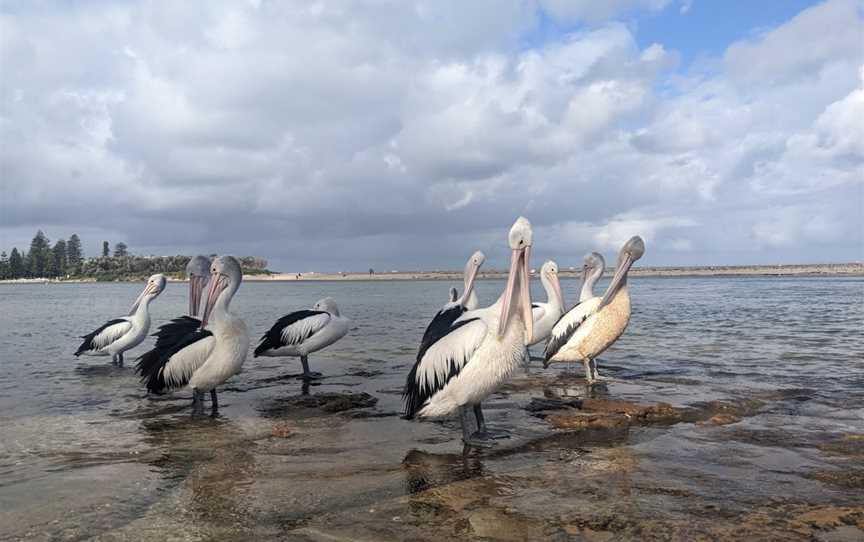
<point>459,365</point>
<point>208,356</point>
<point>590,327</point>
<point>302,332</point>
<point>117,336</point>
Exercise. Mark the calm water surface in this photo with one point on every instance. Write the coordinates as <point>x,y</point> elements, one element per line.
<point>86,453</point>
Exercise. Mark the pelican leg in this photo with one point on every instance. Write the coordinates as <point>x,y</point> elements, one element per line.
<point>120,359</point>
<point>113,359</point>
<point>467,423</point>
<point>214,403</point>
<point>307,374</point>
<point>197,403</point>
<point>589,372</point>
<point>483,432</point>
<point>596,374</point>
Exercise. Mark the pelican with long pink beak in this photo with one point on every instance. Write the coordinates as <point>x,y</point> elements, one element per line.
<point>117,336</point>
<point>209,355</point>
<point>461,364</point>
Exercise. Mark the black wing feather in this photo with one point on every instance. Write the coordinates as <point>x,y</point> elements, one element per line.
<point>88,339</point>
<point>151,365</point>
<point>273,338</point>
<point>415,396</point>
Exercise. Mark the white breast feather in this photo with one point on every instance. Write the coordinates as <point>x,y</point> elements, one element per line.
<point>184,363</point>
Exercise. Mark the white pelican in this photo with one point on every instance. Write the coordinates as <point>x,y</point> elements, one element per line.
<point>208,356</point>
<point>590,327</point>
<point>593,266</point>
<point>302,332</point>
<point>462,362</point>
<point>198,271</point>
<point>469,275</point>
<point>546,314</point>
<point>121,334</point>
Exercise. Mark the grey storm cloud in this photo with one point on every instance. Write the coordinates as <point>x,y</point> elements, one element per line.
<point>339,135</point>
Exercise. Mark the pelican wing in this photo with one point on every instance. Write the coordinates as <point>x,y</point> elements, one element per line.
<point>172,364</point>
<point>293,329</point>
<point>106,334</point>
<point>442,355</point>
<point>175,330</point>
<point>567,325</point>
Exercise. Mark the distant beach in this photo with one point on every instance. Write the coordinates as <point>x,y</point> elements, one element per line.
<point>838,269</point>
<point>796,270</point>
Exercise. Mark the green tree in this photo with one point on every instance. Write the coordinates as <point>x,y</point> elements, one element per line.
<point>4,265</point>
<point>121,250</point>
<point>16,264</point>
<point>105,249</point>
<point>39,255</point>
<point>74,255</point>
<point>60,255</point>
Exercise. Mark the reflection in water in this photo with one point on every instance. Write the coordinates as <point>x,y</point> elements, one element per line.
<point>425,470</point>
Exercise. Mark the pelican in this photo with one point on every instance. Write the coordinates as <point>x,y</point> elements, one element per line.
<point>593,266</point>
<point>469,275</point>
<point>302,332</point>
<point>590,327</point>
<point>121,334</point>
<point>208,356</point>
<point>198,271</point>
<point>461,363</point>
<point>546,314</point>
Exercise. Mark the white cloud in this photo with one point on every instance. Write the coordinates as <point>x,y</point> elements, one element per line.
<point>269,126</point>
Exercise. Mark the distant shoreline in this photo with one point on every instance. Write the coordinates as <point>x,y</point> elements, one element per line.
<point>797,270</point>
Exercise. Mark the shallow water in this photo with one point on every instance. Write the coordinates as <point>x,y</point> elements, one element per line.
<point>86,453</point>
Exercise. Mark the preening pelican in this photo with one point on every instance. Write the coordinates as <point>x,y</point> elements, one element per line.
<point>198,271</point>
<point>302,332</point>
<point>461,363</point>
<point>593,266</point>
<point>469,275</point>
<point>590,327</point>
<point>546,314</point>
<point>121,334</point>
<point>209,356</point>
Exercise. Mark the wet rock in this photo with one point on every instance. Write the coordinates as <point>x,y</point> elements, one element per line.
<point>850,479</point>
<point>497,524</point>
<point>581,420</point>
<point>538,404</point>
<point>282,430</point>
<point>719,419</point>
<point>851,445</point>
<point>328,402</point>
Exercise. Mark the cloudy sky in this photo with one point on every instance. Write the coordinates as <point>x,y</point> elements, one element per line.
<point>405,134</point>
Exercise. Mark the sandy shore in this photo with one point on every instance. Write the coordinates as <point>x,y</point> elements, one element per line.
<point>825,270</point>
<point>840,269</point>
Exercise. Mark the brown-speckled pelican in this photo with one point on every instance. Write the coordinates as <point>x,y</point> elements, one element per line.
<point>210,355</point>
<point>117,336</point>
<point>590,327</point>
<point>462,361</point>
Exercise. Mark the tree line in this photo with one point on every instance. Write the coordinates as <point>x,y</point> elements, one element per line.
<point>65,259</point>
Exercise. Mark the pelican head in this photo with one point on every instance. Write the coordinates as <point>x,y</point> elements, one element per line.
<point>472,268</point>
<point>328,304</point>
<point>549,278</point>
<point>225,278</point>
<point>520,238</point>
<point>593,266</point>
<point>155,285</point>
<point>198,271</point>
<point>632,250</point>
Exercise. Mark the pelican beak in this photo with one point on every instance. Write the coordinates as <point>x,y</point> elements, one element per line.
<point>150,288</point>
<point>218,282</point>
<point>617,280</point>
<point>556,284</point>
<point>519,270</point>
<point>196,288</point>
<point>469,282</point>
